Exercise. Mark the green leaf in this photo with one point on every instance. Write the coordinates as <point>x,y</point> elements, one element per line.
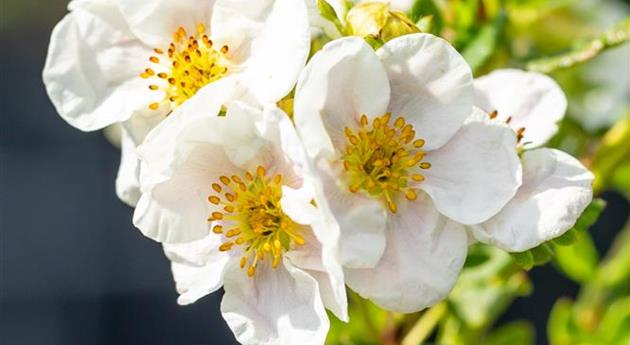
<point>613,153</point>
<point>487,287</point>
<point>560,324</point>
<point>483,45</point>
<point>427,8</point>
<point>619,179</point>
<point>514,333</point>
<point>366,322</point>
<point>579,260</point>
<point>617,35</point>
<point>614,326</point>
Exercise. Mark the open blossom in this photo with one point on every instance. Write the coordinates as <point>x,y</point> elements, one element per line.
<point>134,61</point>
<point>556,187</point>
<point>403,161</point>
<point>230,198</point>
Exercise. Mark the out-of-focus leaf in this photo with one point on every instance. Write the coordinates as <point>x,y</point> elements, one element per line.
<point>427,9</point>
<point>481,47</point>
<point>425,24</point>
<point>367,321</point>
<point>571,137</point>
<point>614,328</point>
<point>614,152</point>
<point>614,273</point>
<point>579,260</point>
<point>619,34</point>
<point>601,313</point>
<point>560,330</point>
<point>620,179</point>
<point>485,289</point>
<point>515,333</point>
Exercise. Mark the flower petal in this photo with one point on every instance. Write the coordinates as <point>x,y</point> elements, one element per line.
<point>424,255</point>
<point>361,220</point>
<point>341,82</point>
<point>155,21</point>
<point>176,210</point>
<point>273,36</point>
<point>431,85</point>
<point>197,267</point>
<point>181,158</point>
<point>533,101</point>
<point>321,261</point>
<point>556,189</point>
<point>127,180</point>
<point>195,118</point>
<point>476,173</point>
<point>93,65</point>
<point>275,307</point>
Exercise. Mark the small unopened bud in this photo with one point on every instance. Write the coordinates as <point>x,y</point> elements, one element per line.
<point>378,22</point>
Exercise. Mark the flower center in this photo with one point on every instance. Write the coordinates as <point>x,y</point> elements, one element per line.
<point>189,64</point>
<point>384,160</point>
<point>252,212</point>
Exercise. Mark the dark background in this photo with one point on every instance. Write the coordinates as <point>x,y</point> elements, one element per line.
<point>73,268</point>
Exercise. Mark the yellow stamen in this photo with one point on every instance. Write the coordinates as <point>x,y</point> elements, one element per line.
<point>193,64</point>
<point>383,160</point>
<point>258,225</point>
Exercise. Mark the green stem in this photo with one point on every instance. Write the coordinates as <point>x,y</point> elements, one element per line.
<point>425,325</point>
<point>619,34</point>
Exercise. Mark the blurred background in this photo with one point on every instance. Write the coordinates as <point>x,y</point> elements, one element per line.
<point>75,271</point>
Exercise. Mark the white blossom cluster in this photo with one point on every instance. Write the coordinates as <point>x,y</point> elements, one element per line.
<point>282,174</point>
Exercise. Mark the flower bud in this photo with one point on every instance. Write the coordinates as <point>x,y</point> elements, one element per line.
<point>377,21</point>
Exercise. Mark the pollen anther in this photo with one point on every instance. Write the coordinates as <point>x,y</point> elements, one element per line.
<point>384,160</point>
<point>250,206</point>
<point>193,64</point>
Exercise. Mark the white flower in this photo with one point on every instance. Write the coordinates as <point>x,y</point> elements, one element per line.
<point>556,187</point>
<point>529,100</point>
<point>134,61</point>
<point>402,161</point>
<point>231,198</point>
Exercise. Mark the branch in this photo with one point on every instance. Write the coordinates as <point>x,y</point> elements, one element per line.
<point>619,34</point>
